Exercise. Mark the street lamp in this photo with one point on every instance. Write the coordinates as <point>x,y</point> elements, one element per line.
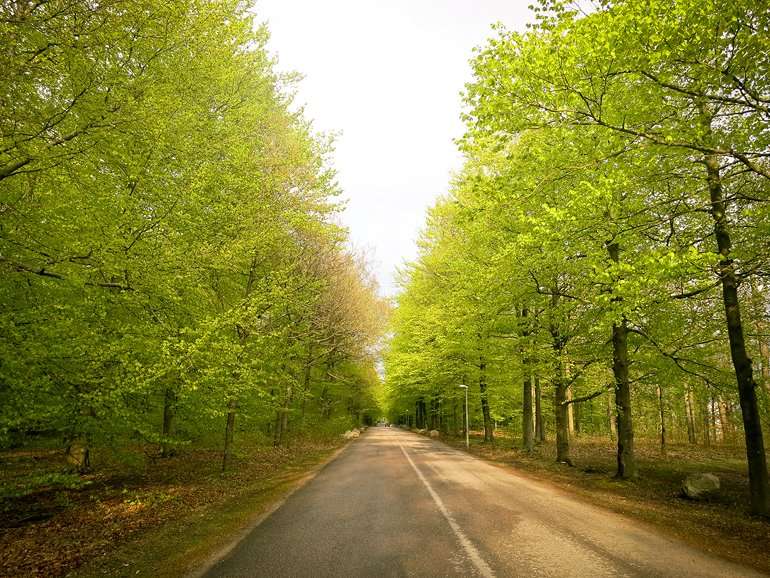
<point>467,438</point>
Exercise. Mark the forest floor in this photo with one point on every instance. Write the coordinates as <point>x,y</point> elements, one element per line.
<point>721,526</point>
<point>156,518</point>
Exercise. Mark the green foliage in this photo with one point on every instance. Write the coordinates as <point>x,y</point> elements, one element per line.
<point>583,206</point>
<point>168,236</point>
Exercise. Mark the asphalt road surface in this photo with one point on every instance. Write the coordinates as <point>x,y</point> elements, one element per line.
<point>398,504</point>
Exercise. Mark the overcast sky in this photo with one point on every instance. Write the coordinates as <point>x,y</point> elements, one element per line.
<point>386,75</point>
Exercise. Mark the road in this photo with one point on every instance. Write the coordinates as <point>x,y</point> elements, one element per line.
<point>398,504</point>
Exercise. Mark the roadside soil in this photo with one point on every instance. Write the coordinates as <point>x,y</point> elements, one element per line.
<point>52,524</point>
<point>721,526</point>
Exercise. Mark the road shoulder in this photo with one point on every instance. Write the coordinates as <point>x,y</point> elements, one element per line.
<point>190,545</point>
<point>743,541</point>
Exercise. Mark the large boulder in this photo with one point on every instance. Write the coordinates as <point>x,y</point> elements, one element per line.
<point>351,435</point>
<point>434,433</point>
<point>700,486</point>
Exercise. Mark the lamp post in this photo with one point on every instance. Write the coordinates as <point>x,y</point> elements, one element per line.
<point>467,437</point>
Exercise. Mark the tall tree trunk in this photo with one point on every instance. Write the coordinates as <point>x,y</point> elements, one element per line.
<point>561,418</point>
<point>718,432</point>
<point>690,414</point>
<point>306,382</point>
<point>282,423</point>
<point>570,413</point>
<point>277,428</point>
<point>526,414</point>
<point>724,420</point>
<point>167,427</point>
<point>752,426</point>
<point>539,423</point>
<point>560,408</point>
<point>662,411</point>
<point>229,430</point>
<point>626,459</point>
<point>526,417</point>
<point>324,403</point>
<point>489,435</point>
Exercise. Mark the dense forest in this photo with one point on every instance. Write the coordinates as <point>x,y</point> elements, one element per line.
<point>174,271</point>
<point>601,265</point>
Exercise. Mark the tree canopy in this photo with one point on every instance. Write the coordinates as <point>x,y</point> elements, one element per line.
<point>607,236</point>
<point>170,245</point>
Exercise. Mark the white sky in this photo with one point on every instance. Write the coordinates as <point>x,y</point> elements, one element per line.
<point>387,75</point>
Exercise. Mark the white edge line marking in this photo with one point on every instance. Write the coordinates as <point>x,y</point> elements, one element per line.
<point>467,545</point>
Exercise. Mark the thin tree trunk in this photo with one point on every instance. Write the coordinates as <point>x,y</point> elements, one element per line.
<point>526,414</point>
<point>277,428</point>
<point>724,419</point>
<point>528,434</point>
<point>690,413</point>
<point>284,416</point>
<point>561,418</point>
<point>560,408</point>
<point>570,412</point>
<point>229,430</point>
<point>661,408</point>
<point>727,411</point>
<point>324,404</point>
<point>539,423</point>
<point>167,427</point>
<point>306,382</point>
<point>489,435</point>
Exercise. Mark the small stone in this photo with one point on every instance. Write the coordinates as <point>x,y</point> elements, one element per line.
<point>434,433</point>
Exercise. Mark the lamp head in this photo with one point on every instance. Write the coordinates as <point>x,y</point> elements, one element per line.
<point>463,386</point>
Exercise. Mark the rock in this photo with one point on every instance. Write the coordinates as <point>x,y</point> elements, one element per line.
<point>434,433</point>
<point>351,435</point>
<point>700,486</point>
<point>422,431</point>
